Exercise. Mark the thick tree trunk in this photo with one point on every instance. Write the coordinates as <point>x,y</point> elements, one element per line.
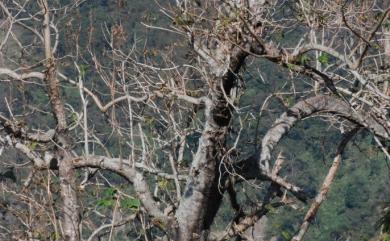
<point>201,199</point>
<point>199,192</point>
<point>71,218</point>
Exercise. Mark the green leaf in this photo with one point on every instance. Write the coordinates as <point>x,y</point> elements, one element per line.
<point>163,183</point>
<point>183,20</point>
<point>73,117</point>
<point>106,202</point>
<point>304,59</point>
<point>32,145</point>
<point>132,203</point>
<point>290,66</point>
<point>83,69</point>
<point>149,121</point>
<point>109,192</point>
<point>286,235</point>
<point>323,58</point>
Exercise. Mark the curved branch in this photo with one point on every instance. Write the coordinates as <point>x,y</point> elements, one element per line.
<point>109,225</point>
<point>14,75</point>
<point>328,50</point>
<point>244,222</point>
<point>100,105</point>
<point>311,106</point>
<point>131,174</point>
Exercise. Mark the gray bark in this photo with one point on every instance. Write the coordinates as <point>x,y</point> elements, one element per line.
<point>311,106</point>
<point>70,208</point>
<point>201,200</point>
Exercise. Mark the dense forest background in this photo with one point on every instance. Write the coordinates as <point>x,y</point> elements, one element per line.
<point>360,190</point>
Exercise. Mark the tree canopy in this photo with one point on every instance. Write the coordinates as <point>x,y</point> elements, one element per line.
<point>194,120</point>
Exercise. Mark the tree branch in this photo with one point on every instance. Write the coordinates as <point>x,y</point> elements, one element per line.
<point>325,186</point>
<point>131,174</point>
<point>14,75</point>
<point>102,107</point>
<point>17,130</point>
<point>311,106</point>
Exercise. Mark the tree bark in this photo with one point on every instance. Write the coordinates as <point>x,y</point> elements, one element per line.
<point>201,199</point>
<point>70,208</point>
<point>324,104</point>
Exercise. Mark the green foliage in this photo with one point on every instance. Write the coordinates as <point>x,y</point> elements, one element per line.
<point>351,207</point>
<point>32,145</point>
<point>322,20</point>
<point>225,22</point>
<point>183,20</point>
<point>290,66</point>
<point>55,236</point>
<point>83,69</point>
<point>162,183</point>
<point>386,237</point>
<point>108,198</point>
<point>383,237</point>
<point>304,59</point>
<point>105,203</point>
<point>109,192</point>
<point>73,117</point>
<point>348,208</point>
<point>286,235</point>
<point>270,208</point>
<point>323,59</point>
<point>130,203</point>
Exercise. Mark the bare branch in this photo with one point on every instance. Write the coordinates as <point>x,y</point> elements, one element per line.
<point>17,129</point>
<point>109,225</point>
<point>14,75</point>
<point>133,176</point>
<point>325,186</point>
<point>100,105</point>
<point>308,107</point>
<point>38,161</point>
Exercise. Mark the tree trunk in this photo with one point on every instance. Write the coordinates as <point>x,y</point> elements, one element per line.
<point>70,210</point>
<point>201,199</point>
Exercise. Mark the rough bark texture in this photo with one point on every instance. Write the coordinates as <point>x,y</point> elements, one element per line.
<point>71,218</point>
<point>199,194</point>
<point>201,198</point>
<point>70,208</point>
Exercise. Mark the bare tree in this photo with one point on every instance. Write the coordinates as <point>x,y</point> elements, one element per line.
<point>152,111</point>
